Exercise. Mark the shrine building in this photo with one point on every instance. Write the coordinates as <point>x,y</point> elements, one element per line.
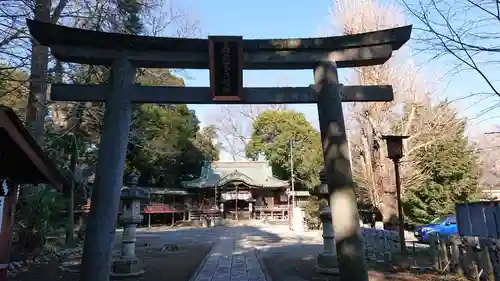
<point>241,190</point>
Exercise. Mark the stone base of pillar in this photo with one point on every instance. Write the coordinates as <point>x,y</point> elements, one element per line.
<point>218,222</point>
<point>327,264</point>
<point>126,268</point>
<point>298,220</point>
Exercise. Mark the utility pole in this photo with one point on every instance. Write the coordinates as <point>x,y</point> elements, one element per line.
<point>215,197</point>
<point>236,202</point>
<point>291,170</point>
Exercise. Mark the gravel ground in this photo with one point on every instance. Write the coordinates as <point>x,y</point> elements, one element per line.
<point>298,263</point>
<point>294,259</point>
<point>177,266</point>
<point>285,255</point>
<point>194,244</point>
<point>174,266</point>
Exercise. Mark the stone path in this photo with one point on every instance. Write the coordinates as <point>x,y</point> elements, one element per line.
<point>229,262</point>
<point>239,248</point>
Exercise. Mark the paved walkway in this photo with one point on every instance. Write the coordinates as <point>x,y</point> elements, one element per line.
<point>229,262</point>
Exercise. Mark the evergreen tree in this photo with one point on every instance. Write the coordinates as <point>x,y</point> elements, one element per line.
<point>167,146</point>
<point>272,132</point>
<point>453,172</point>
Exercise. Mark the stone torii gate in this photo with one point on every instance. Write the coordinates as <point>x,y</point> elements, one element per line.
<point>225,57</point>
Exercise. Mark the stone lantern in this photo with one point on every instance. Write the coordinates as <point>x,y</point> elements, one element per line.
<point>128,264</point>
<point>327,262</point>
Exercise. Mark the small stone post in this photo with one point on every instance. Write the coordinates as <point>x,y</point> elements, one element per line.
<point>455,254</point>
<point>222,211</point>
<point>327,262</point>
<point>495,261</point>
<point>127,264</point>
<point>434,250</point>
<point>250,209</point>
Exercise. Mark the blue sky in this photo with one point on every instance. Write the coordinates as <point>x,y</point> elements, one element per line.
<point>294,18</point>
<point>279,19</point>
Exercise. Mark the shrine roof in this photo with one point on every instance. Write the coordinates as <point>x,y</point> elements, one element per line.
<point>164,191</point>
<point>23,160</point>
<point>253,173</point>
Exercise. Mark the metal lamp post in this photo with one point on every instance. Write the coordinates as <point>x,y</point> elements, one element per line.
<point>292,144</point>
<point>291,207</point>
<point>288,208</point>
<point>395,153</point>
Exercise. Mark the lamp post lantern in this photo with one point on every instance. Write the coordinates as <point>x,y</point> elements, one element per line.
<point>395,153</point>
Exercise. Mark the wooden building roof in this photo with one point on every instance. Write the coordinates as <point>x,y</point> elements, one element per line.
<point>21,159</point>
<point>163,191</point>
<point>252,173</point>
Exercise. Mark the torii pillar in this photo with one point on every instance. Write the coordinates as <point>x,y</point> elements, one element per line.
<point>337,167</point>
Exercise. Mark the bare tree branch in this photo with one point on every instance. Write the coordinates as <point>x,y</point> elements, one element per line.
<point>411,113</point>
<point>465,31</point>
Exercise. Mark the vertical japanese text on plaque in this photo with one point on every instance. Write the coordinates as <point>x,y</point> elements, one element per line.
<point>226,71</point>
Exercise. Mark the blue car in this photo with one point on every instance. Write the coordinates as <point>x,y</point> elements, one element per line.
<point>444,226</point>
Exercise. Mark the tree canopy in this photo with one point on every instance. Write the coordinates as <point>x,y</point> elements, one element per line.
<point>167,145</point>
<point>13,89</point>
<point>272,132</point>
<point>452,172</point>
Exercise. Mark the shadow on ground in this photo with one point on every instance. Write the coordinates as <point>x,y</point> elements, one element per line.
<point>284,256</point>
<point>160,264</point>
<point>297,262</point>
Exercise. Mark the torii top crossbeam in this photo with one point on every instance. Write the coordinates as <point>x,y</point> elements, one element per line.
<point>102,48</point>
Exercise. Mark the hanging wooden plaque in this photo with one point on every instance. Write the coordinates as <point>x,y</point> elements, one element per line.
<point>226,67</point>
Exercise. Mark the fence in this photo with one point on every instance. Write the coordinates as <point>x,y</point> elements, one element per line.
<point>473,257</point>
<point>380,245</point>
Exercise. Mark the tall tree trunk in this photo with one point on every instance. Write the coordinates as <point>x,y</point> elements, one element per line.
<point>37,99</point>
<point>385,190</point>
<point>35,112</point>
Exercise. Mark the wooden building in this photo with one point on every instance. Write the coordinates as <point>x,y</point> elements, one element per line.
<point>239,190</point>
<point>233,190</point>
<point>22,161</point>
<point>165,205</point>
